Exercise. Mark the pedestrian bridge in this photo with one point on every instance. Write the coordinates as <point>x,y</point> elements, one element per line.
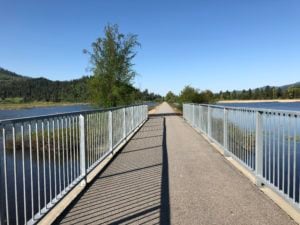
<point>167,173</point>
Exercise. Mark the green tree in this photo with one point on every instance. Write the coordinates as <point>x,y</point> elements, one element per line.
<point>190,95</point>
<point>171,97</point>
<point>111,59</point>
<point>279,93</point>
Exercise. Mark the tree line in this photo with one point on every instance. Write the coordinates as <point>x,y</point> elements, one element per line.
<point>267,92</point>
<point>41,89</point>
<point>194,95</point>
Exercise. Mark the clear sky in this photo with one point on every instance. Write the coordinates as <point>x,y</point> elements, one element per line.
<point>209,44</point>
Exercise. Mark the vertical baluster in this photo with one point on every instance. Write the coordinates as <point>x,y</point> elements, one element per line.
<point>273,147</point>
<point>58,153</point>
<point>70,162</point>
<point>15,174</point>
<point>278,150</point>
<point>82,147</point>
<point>294,158</point>
<point>49,161</point>
<point>67,153</point>
<point>283,154</point>
<point>5,176</point>
<point>44,164</point>
<point>23,174</point>
<point>289,155</point>
<point>265,145</point>
<point>259,148</point>
<point>31,172</point>
<point>38,166</point>
<point>73,168</point>
<point>78,144</point>
<point>63,153</point>
<point>54,158</point>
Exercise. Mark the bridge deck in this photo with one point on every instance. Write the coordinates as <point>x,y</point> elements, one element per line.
<point>167,174</point>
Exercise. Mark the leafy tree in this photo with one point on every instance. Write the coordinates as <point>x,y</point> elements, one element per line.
<point>279,93</point>
<point>111,59</point>
<point>206,97</point>
<point>171,97</point>
<point>190,94</point>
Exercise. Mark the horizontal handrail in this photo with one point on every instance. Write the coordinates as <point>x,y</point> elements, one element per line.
<point>30,118</point>
<point>261,110</point>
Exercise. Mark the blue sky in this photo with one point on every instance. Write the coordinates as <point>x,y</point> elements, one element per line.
<point>209,44</point>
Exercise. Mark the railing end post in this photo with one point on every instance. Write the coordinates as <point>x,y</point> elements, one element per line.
<point>209,121</point>
<point>259,148</point>
<point>110,131</point>
<point>2,189</point>
<point>124,122</point>
<point>82,146</point>
<point>225,133</point>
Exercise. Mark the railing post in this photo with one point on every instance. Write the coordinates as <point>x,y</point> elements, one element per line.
<point>82,146</point>
<point>225,133</point>
<point>193,115</point>
<point>209,121</point>
<point>2,210</point>
<point>146,112</point>
<point>259,148</point>
<point>132,118</point>
<point>110,132</point>
<point>124,123</point>
<point>199,117</point>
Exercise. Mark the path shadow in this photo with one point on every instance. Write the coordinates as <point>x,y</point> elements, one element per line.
<point>164,114</point>
<point>133,189</point>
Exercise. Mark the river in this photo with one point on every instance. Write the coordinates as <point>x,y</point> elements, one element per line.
<point>9,114</point>
<point>290,106</point>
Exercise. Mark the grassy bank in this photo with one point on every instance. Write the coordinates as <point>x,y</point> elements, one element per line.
<point>28,105</point>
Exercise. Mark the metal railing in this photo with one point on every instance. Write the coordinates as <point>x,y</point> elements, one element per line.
<point>43,158</point>
<point>266,142</point>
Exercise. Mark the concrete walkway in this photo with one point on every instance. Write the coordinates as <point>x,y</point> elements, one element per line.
<point>169,174</point>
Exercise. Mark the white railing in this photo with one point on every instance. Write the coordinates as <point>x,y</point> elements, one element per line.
<point>266,142</point>
<point>43,158</point>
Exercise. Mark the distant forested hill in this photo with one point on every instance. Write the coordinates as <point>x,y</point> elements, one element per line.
<point>13,85</point>
<point>290,91</point>
<point>29,89</point>
<point>8,75</point>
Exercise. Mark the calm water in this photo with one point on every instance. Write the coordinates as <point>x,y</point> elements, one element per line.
<point>9,114</point>
<point>291,106</point>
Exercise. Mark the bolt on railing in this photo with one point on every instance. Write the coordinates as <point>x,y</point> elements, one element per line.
<point>43,158</point>
<point>266,142</point>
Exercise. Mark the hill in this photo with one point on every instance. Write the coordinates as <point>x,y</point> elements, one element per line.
<point>27,89</point>
<point>8,75</point>
<point>13,85</point>
<point>285,87</point>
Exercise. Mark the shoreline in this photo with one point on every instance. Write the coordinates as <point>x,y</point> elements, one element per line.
<point>31,105</point>
<point>260,101</point>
